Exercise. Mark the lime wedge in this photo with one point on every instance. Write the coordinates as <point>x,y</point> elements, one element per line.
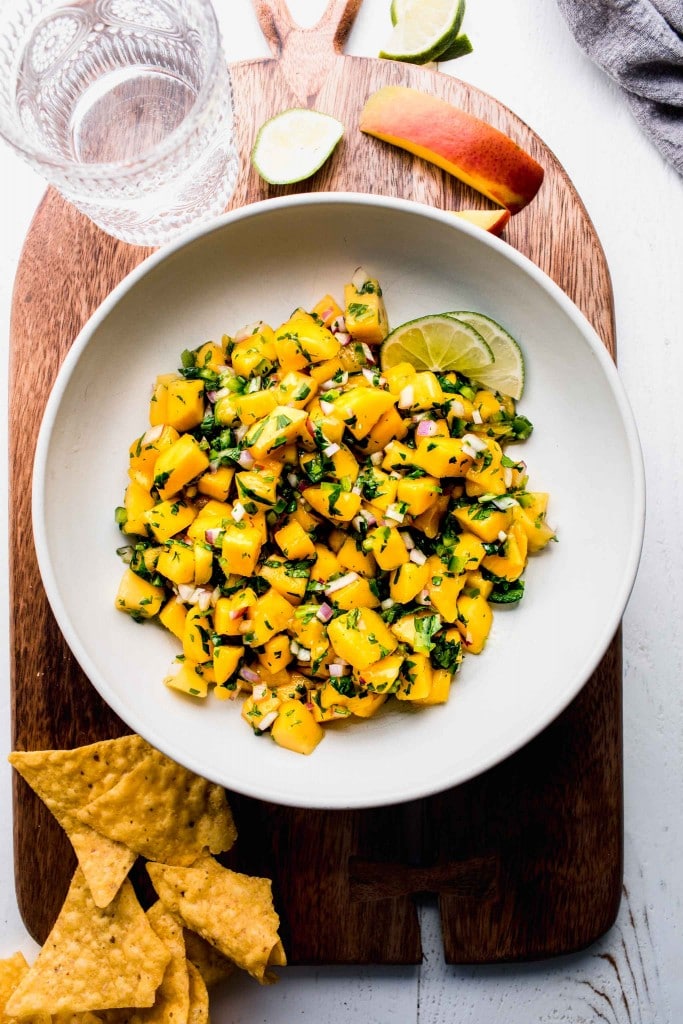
<point>506,373</point>
<point>439,343</point>
<point>423,29</point>
<point>294,144</point>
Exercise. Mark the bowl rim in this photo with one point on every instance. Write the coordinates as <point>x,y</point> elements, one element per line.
<point>630,564</point>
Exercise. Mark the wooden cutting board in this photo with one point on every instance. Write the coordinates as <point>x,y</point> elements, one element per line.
<point>526,860</point>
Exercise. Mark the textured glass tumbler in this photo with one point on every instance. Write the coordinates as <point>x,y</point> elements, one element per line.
<point>125,106</point>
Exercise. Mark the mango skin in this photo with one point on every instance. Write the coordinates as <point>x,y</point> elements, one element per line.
<point>468,148</point>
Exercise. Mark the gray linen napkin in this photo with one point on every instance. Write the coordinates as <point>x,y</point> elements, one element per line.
<point>639,43</point>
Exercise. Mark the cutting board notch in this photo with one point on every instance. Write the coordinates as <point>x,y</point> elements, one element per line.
<point>526,860</point>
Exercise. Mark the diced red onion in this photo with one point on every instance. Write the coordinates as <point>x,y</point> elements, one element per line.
<point>294,647</point>
<point>292,479</point>
<point>259,691</point>
<point>477,417</point>
<point>358,523</point>
<point>343,337</point>
<point>185,592</point>
<point>254,385</point>
<point>246,460</point>
<point>406,397</point>
<point>407,540</point>
<point>248,330</point>
<point>303,654</point>
<point>457,408</point>
<point>325,612</point>
<point>502,536</point>
<point>204,600</point>
<point>326,407</point>
<point>249,675</point>
<point>369,355</point>
<point>212,534</point>
<point>338,584</point>
<point>238,512</point>
<point>377,458</point>
<point>213,396</point>
<point>359,278</point>
<point>369,517</point>
<point>153,434</point>
<point>394,512</point>
<point>426,428</point>
<point>241,432</point>
<point>369,375</point>
<point>423,597</point>
<point>336,670</point>
<point>356,489</point>
<point>338,324</point>
<point>504,502</point>
<point>245,627</point>
<point>331,450</point>
<point>326,313</point>
<point>418,556</point>
<point>474,442</point>
<point>507,476</point>
<point>238,613</point>
<point>267,721</point>
<point>387,604</point>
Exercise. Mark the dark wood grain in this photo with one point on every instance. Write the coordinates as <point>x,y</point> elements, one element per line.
<point>527,858</point>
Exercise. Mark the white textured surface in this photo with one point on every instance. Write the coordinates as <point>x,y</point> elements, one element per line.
<point>525,56</point>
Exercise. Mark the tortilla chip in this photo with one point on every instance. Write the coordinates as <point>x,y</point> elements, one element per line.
<point>75,1018</point>
<point>68,779</point>
<point>172,1002</point>
<point>199,997</point>
<point>12,970</point>
<point>94,959</point>
<point>208,960</point>
<point>233,912</point>
<point>164,812</point>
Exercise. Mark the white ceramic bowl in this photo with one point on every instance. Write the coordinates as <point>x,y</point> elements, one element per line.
<point>259,263</point>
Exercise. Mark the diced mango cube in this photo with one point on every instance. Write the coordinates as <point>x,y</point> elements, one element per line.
<point>240,549</point>
<point>294,542</point>
<point>168,518</point>
<point>139,597</point>
<point>185,404</point>
<point>296,729</point>
<point>216,483</point>
<point>197,644</point>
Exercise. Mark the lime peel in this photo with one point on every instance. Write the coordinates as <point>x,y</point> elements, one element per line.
<point>294,144</point>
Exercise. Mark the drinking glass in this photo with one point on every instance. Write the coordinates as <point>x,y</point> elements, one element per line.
<point>125,106</point>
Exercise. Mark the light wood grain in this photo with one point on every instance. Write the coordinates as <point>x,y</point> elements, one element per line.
<point>527,858</point>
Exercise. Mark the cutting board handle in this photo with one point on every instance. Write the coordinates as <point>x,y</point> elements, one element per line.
<point>306,54</point>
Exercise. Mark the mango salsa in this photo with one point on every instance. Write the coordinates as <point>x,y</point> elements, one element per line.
<point>322,538</point>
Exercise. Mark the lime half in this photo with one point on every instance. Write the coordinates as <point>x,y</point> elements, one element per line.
<point>438,343</point>
<point>294,144</point>
<point>423,29</point>
<point>506,373</point>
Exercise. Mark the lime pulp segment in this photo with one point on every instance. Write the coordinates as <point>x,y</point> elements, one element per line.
<point>294,144</point>
<point>439,343</point>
